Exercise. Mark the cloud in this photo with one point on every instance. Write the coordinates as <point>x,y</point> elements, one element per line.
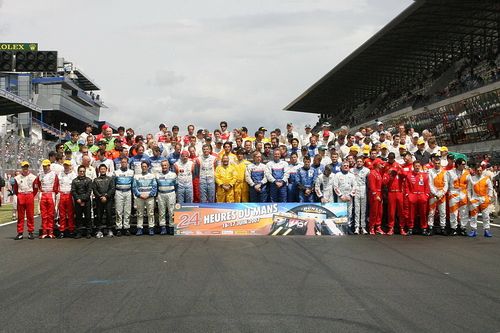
<point>201,62</point>
<point>165,78</point>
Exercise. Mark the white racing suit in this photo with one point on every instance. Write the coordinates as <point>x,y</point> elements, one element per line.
<point>145,183</point>
<point>207,178</point>
<point>344,186</point>
<point>184,181</point>
<point>360,195</point>
<point>324,187</point>
<point>123,197</point>
<point>480,189</point>
<point>166,196</point>
<point>457,182</point>
<point>438,183</point>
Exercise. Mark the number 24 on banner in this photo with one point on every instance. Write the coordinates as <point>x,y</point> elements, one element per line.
<point>188,219</point>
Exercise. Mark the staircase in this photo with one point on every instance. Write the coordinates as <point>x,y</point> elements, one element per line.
<point>46,128</point>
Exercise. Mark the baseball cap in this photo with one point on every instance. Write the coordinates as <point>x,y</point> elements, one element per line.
<point>244,129</point>
<point>308,126</point>
<point>322,148</point>
<point>382,133</point>
<point>355,148</point>
<point>384,145</point>
<point>184,153</point>
<point>326,124</point>
<point>443,148</point>
<point>46,163</point>
<point>416,135</point>
<point>262,129</point>
<point>366,149</point>
<point>25,164</point>
<point>104,127</point>
<point>435,156</point>
<point>358,135</point>
<point>379,123</point>
<point>289,124</point>
<point>402,146</point>
<point>421,141</point>
<point>67,162</point>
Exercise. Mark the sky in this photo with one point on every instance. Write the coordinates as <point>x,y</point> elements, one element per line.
<point>199,62</point>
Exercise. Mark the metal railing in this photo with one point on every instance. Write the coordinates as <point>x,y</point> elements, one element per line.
<point>52,130</point>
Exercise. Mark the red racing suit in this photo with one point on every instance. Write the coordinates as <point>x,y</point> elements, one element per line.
<point>66,208</point>
<point>25,188</point>
<point>406,169</point>
<point>196,178</point>
<point>48,183</point>
<point>394,184</point>
<point>417,191</point>
<point>375,198</point>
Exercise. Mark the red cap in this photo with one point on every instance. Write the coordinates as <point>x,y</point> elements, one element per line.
<point>185,153</point>
<point>104,127</point>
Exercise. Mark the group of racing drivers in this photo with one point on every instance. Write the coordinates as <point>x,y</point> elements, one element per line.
<point>93,184</point>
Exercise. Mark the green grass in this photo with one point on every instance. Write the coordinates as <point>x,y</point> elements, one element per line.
<point>6,213</point>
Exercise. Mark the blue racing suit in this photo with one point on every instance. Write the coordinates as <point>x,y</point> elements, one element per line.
<point>145,183</point>
<point>306,179</point>
<point>255,175</point>
<point>293,192</point>
<point>172,158</point>
<point>156,164</point>
<point>123,197</point>
<point>277,171</point>
<point>135,163</point>
<point>117,163</point>
<point>167,183</point>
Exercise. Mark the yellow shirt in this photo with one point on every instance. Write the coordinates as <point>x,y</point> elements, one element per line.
<point>240,168</point>
<point>225,175</point>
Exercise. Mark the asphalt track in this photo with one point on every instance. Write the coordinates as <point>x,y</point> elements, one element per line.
<point>249,284</point>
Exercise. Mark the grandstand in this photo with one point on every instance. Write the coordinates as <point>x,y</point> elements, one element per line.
<point>37,109</point>
<point>435,66</point>
<point>35,104</point>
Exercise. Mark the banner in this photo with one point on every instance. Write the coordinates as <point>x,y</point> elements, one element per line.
<point>276,219</point>
<point>18,47</point>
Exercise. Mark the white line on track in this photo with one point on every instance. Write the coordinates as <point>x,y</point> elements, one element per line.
<point>12,222</point>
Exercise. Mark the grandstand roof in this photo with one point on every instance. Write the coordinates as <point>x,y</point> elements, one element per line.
<point>420,39</point>
<point>11,104</point>
<point>84,81</point>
